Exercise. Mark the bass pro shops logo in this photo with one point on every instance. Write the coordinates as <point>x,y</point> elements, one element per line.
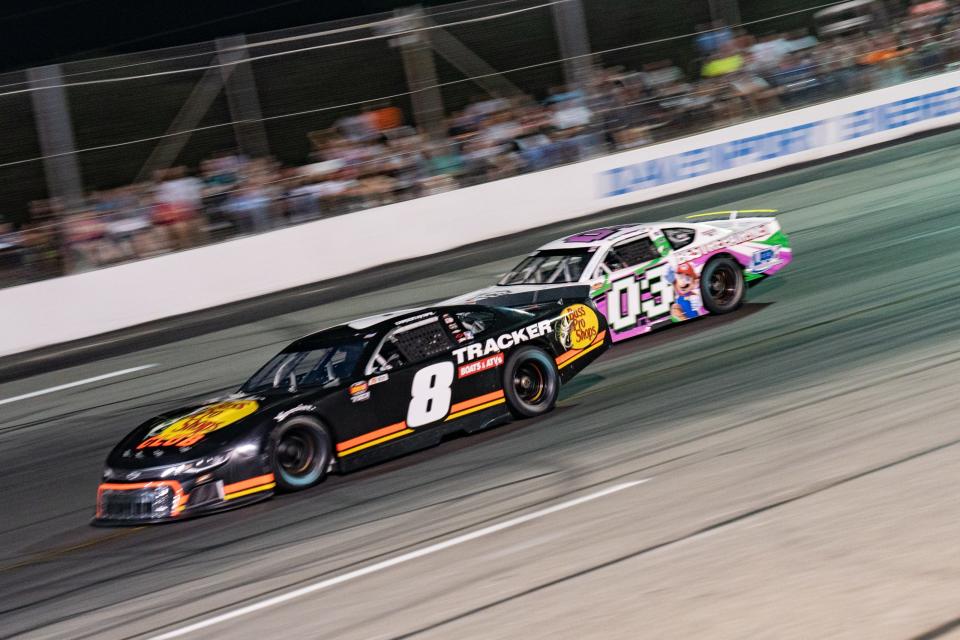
<point>190,429</point>
<point>578,327</point>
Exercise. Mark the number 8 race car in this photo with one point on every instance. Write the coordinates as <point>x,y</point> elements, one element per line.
<point>349,396</point>
<point>644,276</point>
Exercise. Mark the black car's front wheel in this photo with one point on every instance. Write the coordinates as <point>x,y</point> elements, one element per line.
<point>531,383</point>
<point>300,454</point>
<point>722,285</point>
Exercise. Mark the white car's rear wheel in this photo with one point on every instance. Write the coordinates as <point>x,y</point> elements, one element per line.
<point>722,285</point>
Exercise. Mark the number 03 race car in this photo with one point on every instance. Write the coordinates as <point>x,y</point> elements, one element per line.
<point>349,396</point>
<point>645,276</point>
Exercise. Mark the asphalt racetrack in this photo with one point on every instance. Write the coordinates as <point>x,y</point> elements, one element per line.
<point>788,471</point>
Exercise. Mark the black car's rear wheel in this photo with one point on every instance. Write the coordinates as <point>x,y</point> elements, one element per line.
<point>722,286</point>
<point>301,453</point>
<point>530,382</point>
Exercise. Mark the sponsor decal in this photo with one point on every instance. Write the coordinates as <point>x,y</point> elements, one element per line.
<point>383,377</point>
<point>694,163</point>
<point>764,259</point>
<point>502,342</point>
<point>753,233</point>
<point>477,366</point>
<point>578,327</point>
<point>359,391</point>
<point>192,428</point>
<point>358,387</point>
<point>459,333</point>
<point>283,415</point>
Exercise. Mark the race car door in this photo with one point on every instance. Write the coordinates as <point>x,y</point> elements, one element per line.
<point>422,385</point>
<point>632,283</point>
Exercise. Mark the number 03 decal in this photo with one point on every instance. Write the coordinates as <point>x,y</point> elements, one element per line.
<point>431,394</point>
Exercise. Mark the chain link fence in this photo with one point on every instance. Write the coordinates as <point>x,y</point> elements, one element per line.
<point>126,157</point>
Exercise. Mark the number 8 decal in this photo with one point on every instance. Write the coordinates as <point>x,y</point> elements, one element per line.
<point>431,394</point>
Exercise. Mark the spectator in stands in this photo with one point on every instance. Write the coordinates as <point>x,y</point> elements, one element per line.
<point>767,53</point>
<point>711,38</point>
<point>86,243</point>
<point>128,225</point>
<point>248,208</point>
<point>178,200</point>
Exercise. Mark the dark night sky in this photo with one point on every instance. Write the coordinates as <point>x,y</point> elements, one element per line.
<point>46,31</point>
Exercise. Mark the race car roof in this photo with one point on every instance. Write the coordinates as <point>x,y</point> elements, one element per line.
<point>355,329</point>
<point>599,237</point>
<point>369,321</point>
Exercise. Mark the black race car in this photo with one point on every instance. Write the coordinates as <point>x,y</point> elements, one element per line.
<point>347,397</point>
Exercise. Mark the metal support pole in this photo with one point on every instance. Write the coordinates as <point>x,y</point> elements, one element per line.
<point>471,65</point>
<point>206,90</point>
<point>55,132</point>
<point>421,72</point>
<point>242,97</point>
<point>574,42</point>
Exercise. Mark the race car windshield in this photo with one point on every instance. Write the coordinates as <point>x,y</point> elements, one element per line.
<point>548,267</point>
<point>293,370</point>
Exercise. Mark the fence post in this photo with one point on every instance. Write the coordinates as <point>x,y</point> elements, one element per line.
<point>51,112</point>
<point>242,97</point>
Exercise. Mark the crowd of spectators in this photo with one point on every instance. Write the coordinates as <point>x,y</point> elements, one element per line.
<point>376,157</point>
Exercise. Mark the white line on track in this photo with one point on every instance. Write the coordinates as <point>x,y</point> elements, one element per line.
<point>392,562</point>
<point>70,385</point>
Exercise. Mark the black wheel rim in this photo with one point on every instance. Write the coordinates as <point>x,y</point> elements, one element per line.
<point>723,285</point>
<point>530,383</point>
<point>297,452</point>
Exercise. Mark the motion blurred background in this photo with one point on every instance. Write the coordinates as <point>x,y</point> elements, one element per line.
<point>119,157</point>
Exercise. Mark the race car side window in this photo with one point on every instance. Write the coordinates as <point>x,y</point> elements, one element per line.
<point>386,358</point>
<point>631,253</point>
<point>679,237</point>
<point>476,321</point>
<point>408,344</point>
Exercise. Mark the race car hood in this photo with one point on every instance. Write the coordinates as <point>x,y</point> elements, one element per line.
<point>192,431</point>
<point>524,295</point>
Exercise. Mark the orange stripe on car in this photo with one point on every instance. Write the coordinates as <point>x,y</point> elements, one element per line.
<point>248,483</point>
<point>374,442</point>
<point>474,409</point>
<point>372,435</point>
<point>400,429</point>
<point>473,402</point>
<point>573,353</point>
<point>584,352</point>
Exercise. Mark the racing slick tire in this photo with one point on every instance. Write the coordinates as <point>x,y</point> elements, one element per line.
<point>300,453</point>
<point>531,383</point>
<point>722,286</point>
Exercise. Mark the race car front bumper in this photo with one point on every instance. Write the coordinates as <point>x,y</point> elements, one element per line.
<point>156,501</point>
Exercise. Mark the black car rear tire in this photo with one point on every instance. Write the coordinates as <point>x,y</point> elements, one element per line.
<point>531,383</point>
<point>722,285</point>
<point>300,454</point>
